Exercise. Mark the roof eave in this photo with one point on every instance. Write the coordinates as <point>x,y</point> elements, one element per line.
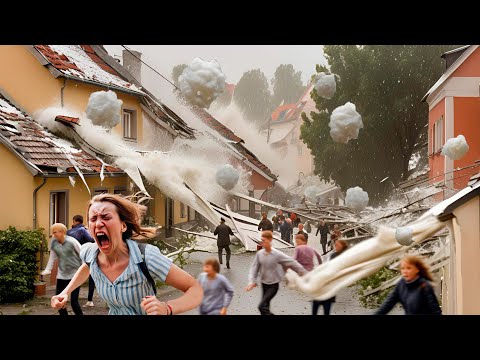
<point>451,208</point>
<point>34,170</point>
<point>86,175</point>
<point>450,71</point>
<point>57,73</point>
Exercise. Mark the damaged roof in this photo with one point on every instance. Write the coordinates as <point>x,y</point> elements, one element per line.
<point>237,142</point>
<point>82,63</point>
<point>91,64</point>
<point>42,151</point>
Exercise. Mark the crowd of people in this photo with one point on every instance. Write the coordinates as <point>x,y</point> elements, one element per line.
<point>125,271</point>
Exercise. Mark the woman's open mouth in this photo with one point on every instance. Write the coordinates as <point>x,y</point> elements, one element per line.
<point>103,240</point>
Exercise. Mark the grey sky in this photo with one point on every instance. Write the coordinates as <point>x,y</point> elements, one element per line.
<point>234,59</point>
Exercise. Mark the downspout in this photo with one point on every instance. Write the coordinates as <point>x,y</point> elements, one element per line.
<point>61,90</point>
<point>35,216</point>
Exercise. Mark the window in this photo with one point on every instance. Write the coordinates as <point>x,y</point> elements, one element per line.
<point>98,191</point>
<point>59,207</point>
<point>191,214</point>
<point>183,213</point>
<point>120,190</point>
<point>129,124</point>
<point>437,135</point>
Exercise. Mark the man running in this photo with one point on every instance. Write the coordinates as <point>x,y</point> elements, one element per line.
<point>223,241</point>
<point>269,266</point>
<point>67,250</point>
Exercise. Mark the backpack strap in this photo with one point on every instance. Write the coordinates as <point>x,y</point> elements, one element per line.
<point>143,267</point>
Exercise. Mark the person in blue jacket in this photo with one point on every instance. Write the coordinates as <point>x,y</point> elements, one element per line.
<point>413,291</point>
<point>79,232</point>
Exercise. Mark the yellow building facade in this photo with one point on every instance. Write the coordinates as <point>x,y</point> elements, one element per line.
<point>30,85</point>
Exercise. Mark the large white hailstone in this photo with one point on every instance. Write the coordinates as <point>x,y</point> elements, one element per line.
<point>311,193</point>
<point>345,123</point>
<point>403,235</point>
<point>202,82</point>
<point>227,176</point>
<point>104,109</point>
<point>325,85</point>
<point>455,148</point>
<point>356,199</point>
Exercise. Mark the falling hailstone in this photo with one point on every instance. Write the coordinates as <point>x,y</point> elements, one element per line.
<point>356,199</point>
<point>403,235</point>
<point>325,85</point>
<point>455,148</point>
<point>104,109</point>
<point>227,176</point>
<point>345,123</point>
<point>311,193</point>
<point>202,82</point>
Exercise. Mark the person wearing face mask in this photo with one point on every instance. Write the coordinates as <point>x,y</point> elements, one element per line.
<point>115,263</point>
<point>413,291</point>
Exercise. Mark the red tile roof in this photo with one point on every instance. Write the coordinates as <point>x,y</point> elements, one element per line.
<point>230,135</point>
<point>253,159</point>
<point>67,120</point>
<point>82,63</point>
<point>216,125</point>
<point>281,109</point>
<point>42,148</point>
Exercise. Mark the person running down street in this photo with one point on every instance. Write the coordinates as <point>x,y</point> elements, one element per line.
<point>269,269</point>
<point>223,241</point>
<point>217,290</point>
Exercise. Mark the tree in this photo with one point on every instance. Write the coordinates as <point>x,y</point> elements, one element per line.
<point>177,71</point>
<point>253,97</point>
<point>386,83</point>
<point>224,99</point>
<point>287,85</point>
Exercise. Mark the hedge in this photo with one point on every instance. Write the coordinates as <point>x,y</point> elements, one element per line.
<point>18,263</point>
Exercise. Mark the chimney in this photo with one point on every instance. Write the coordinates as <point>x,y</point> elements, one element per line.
<point>132,62</point>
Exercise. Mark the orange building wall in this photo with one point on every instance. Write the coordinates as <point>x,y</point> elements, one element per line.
<point>436,162</point>
<point>470,67</point>
<point>259,182</point>
<point>467,123</point>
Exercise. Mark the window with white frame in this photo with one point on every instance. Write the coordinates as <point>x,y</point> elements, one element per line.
<point>437,135</point>
<point>129,124</point>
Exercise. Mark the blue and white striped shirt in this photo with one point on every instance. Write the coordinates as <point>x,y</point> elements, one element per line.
<point>125,294</point>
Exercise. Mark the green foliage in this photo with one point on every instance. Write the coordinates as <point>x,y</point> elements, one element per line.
<point>186,241</point>
<point>18,263</point>
<point>177,71</point>
<point>386,84</point>
<point>253,97</point>
<point>372,282</point>
<point>287,85</point>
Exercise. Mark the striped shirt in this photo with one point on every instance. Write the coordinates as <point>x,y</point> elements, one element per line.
<point>125,294</point>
